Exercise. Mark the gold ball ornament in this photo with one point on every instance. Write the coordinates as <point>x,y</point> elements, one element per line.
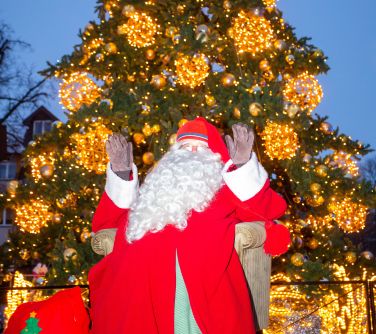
<point>255,109</point>
<point>24,254</point>
<point>182,122</point>
<point>297,242</point>
<point>318,53</point>
<point>297,259</point>
<point>150,54</point>
<point>280,44</point>
<point>290,59</point>
<point>47,171</point>
<point>315,187</point>
<point>307,158</point>
<point>110,48</point>
<point>128,10</point>
<point>12,187</point>
<point>158,81</point>
<point>236,113</point>
<point>280,141</point>
<point>264,65</point>
<point>148,158</point>
<point>85,235</point>
<point>156,128</point>
<point>227,4</point>
<point>172,139</point>
<point>350,257</point>
<point>146,130</point>
<point>56,218</point>
<point>292,110</point>
<point>210,100</point>
<point>138,138</point>
<point>315,200</point>
<point>367,255</point>
<point>303,90</point>
<point>192,71</point>
<point>77,90</point>
<point>313,243</point>
<point>251,33</point>
<point>228,79</point>
<point>70,254</point>
<point>140,29</point>
<point>171,31</point>
<point>326,127</point>
<point>321,170</point>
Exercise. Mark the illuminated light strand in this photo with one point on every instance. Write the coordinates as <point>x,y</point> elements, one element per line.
<point>90,148</point>
<point>31,217</point>
<point>192,71</point>
<point>280,141</point>
<point>140,29</point>
<point>346,162</point>
<point>303,90</point>
<point>78,89</point>
<point>251,33</point>
<point>37,162</point>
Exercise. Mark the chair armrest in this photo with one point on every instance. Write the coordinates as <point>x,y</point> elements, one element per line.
<point>102,242</point>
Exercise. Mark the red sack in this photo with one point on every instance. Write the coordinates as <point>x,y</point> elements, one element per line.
<point>62,313</point>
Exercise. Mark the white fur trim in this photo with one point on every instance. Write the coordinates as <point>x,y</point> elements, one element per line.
<point>122,193</point>
<point>246,181</point>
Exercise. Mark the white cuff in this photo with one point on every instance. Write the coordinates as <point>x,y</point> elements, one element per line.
<point>246,181</point>
<point>122,193</point>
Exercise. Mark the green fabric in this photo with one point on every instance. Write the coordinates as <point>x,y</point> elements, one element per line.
<point>31,326</point>
<point>185,322</point>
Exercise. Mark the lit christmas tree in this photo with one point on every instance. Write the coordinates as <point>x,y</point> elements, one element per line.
<point>143,69</point>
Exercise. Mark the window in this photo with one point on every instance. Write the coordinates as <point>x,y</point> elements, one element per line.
<point>7,170</point>
<point>7,216</point>
<point>40,127</point>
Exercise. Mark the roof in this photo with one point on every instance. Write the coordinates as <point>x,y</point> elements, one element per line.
<point>41,113</point>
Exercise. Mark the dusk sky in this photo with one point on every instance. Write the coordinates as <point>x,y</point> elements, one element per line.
<point>345,31</point>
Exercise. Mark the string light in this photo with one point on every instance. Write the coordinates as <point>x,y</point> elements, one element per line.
<point>350,216</point>
<point>140,29</point>
<point>17,297</point>
<point>78,89</point>
<point>346,162</point>
<point>251,33</point>
<point>303,90</point>
<point>90,149</point>
<point>280,141</point>
<point>31,217</point>
<point>192,71</point>
<point>269,3</point>
<point>36,163</point>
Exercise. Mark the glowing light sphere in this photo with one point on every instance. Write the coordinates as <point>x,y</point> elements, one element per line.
<point>38,164</point>
<point>303,90</point>
<point>251,33</point>
<point>350,216</point>
<point>78,89</point>
<point>346,162</point>
<point>140,29</point>
<point>192,71</point>
<point>280,141</point>
<point>90,148</point>
<point>32,216</point>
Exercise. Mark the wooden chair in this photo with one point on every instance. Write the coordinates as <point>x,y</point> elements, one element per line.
<point>249,241</point>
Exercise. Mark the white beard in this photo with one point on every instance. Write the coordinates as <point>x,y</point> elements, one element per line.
<point>181,182</point>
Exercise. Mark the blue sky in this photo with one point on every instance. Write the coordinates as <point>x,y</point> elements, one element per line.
<point>344,30</point>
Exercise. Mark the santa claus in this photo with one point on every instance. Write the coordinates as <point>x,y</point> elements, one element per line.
<point>173,268</point>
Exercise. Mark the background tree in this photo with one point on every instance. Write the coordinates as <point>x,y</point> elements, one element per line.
<point>19,89</point>
<point>143,69</point>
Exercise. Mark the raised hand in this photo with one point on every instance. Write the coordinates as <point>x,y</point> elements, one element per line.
<point>120,153</point>
<point>240,148</point>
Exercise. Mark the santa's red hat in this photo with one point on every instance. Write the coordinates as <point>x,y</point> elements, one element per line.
<point>201,129</point>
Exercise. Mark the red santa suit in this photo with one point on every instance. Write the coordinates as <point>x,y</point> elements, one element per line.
<point>132,290</point>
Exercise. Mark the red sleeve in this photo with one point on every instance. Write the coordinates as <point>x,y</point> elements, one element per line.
<point>107,214</point>
<point>265,205</point>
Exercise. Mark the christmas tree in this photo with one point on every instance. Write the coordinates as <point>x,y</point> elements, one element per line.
<point>143,69</point>
<point>31,325</point>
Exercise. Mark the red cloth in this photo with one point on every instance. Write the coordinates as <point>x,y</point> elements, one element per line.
<point>62,313</point>
<point>133,289</point>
